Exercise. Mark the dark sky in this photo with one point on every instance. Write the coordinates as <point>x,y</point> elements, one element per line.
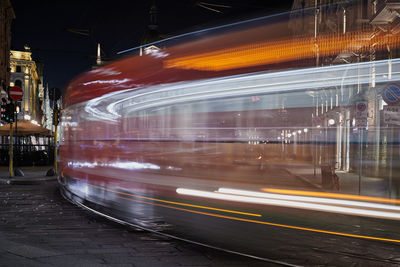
<point>46,27</point>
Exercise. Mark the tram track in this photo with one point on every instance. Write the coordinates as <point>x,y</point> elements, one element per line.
<point>355,255</point>
<point>81,204</point>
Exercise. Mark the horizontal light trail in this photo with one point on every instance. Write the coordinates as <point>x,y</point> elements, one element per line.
<point>331,195</point>
<point>291,204</point>
<point>110,106</point>
<point>368,205</point>
<point>255,84</point>
<point>172,202</point>
<point>279,51</point>
<point>248,220</point>
<point>207,30</point>
<point>268,223</point>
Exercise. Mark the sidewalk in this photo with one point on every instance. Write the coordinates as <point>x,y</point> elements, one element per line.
<point>39,228</point>
<point>350,183</point>
<point>32,175</point>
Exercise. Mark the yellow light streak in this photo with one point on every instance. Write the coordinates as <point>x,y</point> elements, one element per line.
<point>269,223</point>
<point>246,220</point>
<point>317,200</point>
<point>175,203</point>
<point>278,51</point>
<point>298,202</point>
<point>330,195</point>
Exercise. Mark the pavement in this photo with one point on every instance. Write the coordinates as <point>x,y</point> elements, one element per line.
<point>349,182</point>
<point>31,175</point>
<point>38,227</point>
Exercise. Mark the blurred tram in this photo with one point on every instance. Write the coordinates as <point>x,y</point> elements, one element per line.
<point>237,140</point>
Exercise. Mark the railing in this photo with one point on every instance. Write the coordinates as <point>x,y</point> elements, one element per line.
<point>28,155</point>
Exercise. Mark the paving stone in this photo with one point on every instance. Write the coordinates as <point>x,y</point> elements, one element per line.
<point>40,228</point>
<point>7,260</point>
<point>108,250</point>
<point>73,260</point>
<point>119,259</point>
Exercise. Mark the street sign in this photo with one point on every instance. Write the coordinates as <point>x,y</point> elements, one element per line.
<point>361,114</point>
<point>391,114</point>
<point>361,110</point>
<point>391,94</point>
<point>16,93</point>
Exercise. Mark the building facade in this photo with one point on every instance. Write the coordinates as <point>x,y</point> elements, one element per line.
<point>26,74</point>
<point>366,32</point>
<point>152,34</point>
<point>6,17</point>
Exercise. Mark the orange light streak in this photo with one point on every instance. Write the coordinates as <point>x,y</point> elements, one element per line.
<point>330,195</point>
<point>264,223</point>
<point>291,49</point>
<point>245,220</point>
<point>172,202</point>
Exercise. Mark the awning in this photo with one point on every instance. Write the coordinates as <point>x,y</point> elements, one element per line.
<point>25,128</point>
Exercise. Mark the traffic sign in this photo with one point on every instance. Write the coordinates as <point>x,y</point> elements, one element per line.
<point>361,106</point>
<point>16,93</point>
<point>391,94</point>
<point>391,114</point>
<point>361,110</point>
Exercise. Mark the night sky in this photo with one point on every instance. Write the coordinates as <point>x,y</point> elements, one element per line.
<point>63,35</point>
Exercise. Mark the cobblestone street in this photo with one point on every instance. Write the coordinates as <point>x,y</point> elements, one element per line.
<point>40,228</point>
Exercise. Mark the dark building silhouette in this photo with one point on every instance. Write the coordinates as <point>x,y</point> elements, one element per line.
<point>6,17</point>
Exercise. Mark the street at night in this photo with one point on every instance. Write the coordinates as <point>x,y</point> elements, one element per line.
<point>40,228</point>
<point>200,133</point>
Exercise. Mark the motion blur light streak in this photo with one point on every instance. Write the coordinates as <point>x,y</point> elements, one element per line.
<point>106,71</point>
<point>331,195</point>
<point>129,165</point>
<point>235,218</point>
<point>271,52</point>
<point>201,31</point>
<point>113,82</point>
<point>270,224</point>
<point>256,83</point>
<point>242,111</point>
<point>134,165</point>
<point>171,202</point>
<point>290,204</point>
<point>309,199</point>
<point>92,105</point>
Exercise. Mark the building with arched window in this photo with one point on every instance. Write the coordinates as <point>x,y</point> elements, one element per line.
<point>25,73</point>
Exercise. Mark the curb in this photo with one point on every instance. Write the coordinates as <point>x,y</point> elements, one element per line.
<point>27,181</point>
<point>305,180</point>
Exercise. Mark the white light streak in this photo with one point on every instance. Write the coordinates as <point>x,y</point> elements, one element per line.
<point>106,71</point>
<point>254,83</point>
<point>158,54</point>
<point>127,165</point>
<point>308,199</point>
<point>113,82</point>
<point>254,198</point>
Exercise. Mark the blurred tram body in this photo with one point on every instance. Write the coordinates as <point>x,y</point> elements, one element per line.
<point>226,142</point>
